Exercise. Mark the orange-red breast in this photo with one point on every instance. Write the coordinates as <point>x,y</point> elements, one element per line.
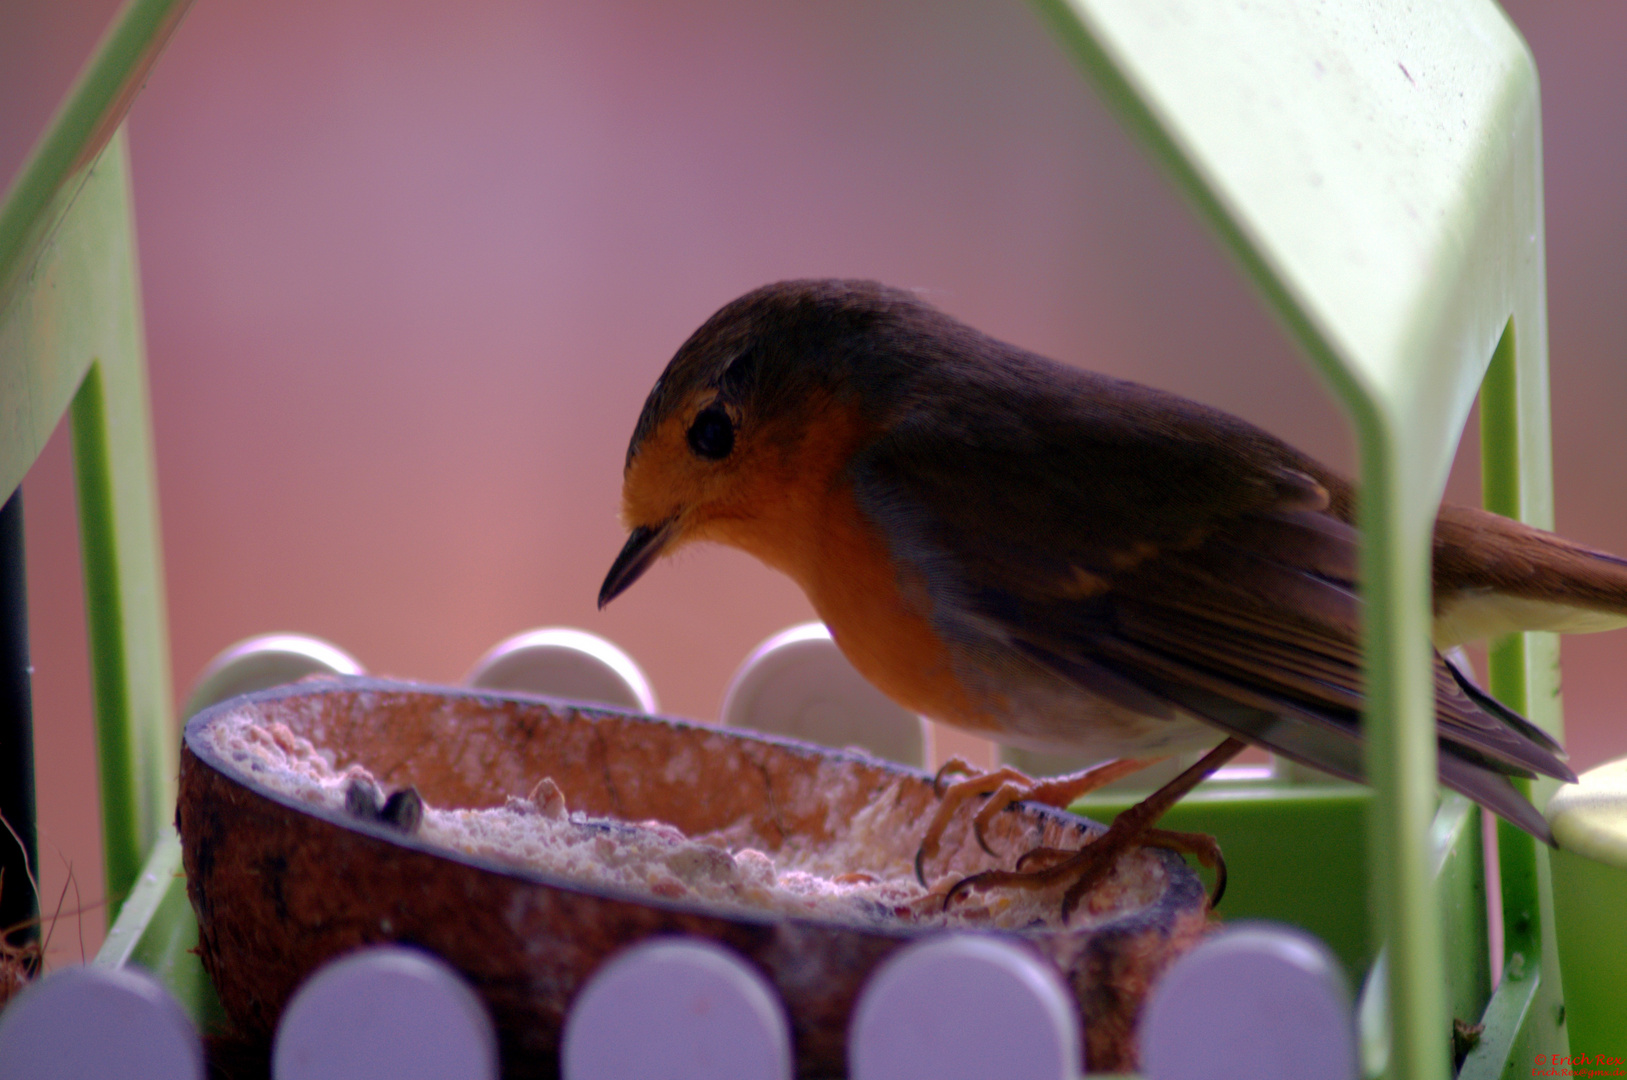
<point>1060,560</point>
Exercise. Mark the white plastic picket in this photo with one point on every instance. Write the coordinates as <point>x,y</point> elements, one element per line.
<point>264,661</point>
<point>1257,1001</point>
<point>385,1013</point>
<point>964,1007</point>
<point>676,1009</point>
<point>87,1023</point>
<point>798,683</point>
<point>562,662</point>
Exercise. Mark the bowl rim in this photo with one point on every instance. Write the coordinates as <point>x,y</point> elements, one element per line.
<point>1180,878</point>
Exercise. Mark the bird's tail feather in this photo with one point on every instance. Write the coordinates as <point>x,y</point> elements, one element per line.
<point>1334,746</point>
<point>1495,792</point>
<point>1510,717</point>
<point>1478,554</point>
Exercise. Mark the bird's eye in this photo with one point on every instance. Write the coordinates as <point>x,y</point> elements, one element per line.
<point>712,434</point>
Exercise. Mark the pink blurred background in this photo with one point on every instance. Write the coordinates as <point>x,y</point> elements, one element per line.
<point>410,269</point>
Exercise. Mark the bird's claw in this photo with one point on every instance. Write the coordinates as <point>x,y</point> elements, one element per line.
<point>1055,854</point>
<point>955,766</point>
<point>1200,846</point>
<point>1092,870</point>
<point>1091,863</point>
<point>977,831</point>
<point>1001,788</point>
<point>951,796</point>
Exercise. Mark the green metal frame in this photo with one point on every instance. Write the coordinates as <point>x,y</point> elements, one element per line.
<point>71,342</point>
<point>1376,169</point>
<point>1374,166</point>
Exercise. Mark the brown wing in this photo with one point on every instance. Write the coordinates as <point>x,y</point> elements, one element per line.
<point>1269,606</point>
<point>1168,549</point>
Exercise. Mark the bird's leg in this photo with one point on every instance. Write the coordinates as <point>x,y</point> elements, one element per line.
<point>1199,845</point>
<point>1006,786</point>
<point>1090,863</point>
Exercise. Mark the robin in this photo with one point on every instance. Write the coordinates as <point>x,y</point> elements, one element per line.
<point>1063,561</point>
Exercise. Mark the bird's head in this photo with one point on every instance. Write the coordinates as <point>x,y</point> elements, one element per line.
<point>753,414</point>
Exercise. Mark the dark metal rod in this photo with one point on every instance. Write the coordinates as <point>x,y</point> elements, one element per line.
<point>17,901</point>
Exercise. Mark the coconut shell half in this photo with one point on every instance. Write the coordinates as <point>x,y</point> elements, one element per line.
<point>280,887</point>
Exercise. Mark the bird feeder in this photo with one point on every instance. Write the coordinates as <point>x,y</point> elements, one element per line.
<point>1376,169</point>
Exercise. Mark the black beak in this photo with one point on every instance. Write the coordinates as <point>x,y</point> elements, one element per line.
<point>643,547</point>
